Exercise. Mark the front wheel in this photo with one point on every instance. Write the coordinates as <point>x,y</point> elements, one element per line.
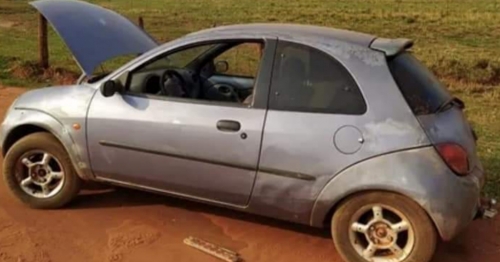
<point>39,172</point>
<point>382,226</point>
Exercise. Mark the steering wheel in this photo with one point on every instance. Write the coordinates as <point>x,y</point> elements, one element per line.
<point>173,84</point>
<point>235,95</point>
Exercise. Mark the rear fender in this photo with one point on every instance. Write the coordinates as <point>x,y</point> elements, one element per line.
<point>420,174</point>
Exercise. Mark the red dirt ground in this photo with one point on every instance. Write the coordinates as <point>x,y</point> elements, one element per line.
<point>126,225</point>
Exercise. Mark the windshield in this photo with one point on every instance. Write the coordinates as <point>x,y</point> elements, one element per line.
<point>419,86</point>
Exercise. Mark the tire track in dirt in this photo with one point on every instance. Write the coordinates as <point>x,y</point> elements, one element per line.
<point>127,236</point>
<point>267,242</point>
<point>16,244</point>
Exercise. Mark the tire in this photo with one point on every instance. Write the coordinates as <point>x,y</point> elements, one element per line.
<point>418,241</point>
<point>41,144</point>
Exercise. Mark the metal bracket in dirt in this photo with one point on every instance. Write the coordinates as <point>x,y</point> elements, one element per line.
<point>488,209</point>
<point>490,213</point>
<point>212,249</point>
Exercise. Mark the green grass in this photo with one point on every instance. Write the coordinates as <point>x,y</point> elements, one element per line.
<point>483,111</point>
<point>458,40</point>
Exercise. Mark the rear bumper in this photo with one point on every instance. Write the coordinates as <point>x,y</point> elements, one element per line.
<point>466,204</point>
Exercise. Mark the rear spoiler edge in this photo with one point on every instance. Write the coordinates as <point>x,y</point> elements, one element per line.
<point>391,47</point>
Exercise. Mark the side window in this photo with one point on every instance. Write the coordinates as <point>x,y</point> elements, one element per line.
<point>242,60</point>
<point>148,78</point>
<point>218,72</point>
<point>309,80</point>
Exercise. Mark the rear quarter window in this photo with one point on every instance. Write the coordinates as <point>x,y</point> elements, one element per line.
<point>423,92</point>
<point>309,80</point>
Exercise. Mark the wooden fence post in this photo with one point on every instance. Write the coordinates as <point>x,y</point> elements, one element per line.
<point>43,47</point>
<point>141,22</point>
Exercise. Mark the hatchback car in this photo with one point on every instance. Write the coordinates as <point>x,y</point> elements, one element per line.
<point>318,126</point>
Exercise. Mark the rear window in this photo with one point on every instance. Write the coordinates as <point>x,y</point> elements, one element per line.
<point>308,80</point>
<point>420,87</point>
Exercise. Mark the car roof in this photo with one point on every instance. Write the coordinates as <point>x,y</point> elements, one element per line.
<point>311,32</point>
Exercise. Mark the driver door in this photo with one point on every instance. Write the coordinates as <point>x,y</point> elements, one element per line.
<point>203,150</point>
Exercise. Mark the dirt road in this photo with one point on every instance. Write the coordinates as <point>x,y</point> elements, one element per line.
<point>126,225</point>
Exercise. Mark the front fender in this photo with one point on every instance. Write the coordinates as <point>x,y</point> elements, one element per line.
<point>72,140</point>
<point>420,174</point>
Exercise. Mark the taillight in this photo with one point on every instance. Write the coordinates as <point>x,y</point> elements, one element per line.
<point>455,157</point>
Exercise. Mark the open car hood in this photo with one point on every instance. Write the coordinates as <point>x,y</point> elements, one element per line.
<point>92,33</point>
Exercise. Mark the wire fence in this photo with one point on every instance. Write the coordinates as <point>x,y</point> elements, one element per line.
<point>448,33</point>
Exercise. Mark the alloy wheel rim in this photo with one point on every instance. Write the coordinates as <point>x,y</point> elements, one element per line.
<point>40,174</point>
<point>380,233</point>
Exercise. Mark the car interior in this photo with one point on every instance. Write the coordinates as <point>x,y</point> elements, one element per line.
<point>220,72</point>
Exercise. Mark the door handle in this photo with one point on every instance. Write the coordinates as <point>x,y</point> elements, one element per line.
<point>228,125</point>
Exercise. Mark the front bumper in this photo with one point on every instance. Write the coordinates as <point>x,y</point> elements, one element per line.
<point>3,134</point>
<point>4,126</point>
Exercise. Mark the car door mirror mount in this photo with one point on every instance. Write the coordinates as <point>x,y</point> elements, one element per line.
<point>109,88</point>
<point>112,86</point>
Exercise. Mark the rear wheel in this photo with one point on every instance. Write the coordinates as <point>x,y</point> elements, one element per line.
<point>380,227</point>
<point>39,172</point>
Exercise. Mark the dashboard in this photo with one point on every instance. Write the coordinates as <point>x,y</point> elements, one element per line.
<point>214,88</point>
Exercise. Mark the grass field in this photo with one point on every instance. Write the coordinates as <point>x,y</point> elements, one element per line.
<point>457,39</point>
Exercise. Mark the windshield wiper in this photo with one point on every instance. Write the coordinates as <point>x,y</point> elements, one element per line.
<point>454,101</point>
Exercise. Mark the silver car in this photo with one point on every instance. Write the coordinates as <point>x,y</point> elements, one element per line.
<point>323,127</point>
